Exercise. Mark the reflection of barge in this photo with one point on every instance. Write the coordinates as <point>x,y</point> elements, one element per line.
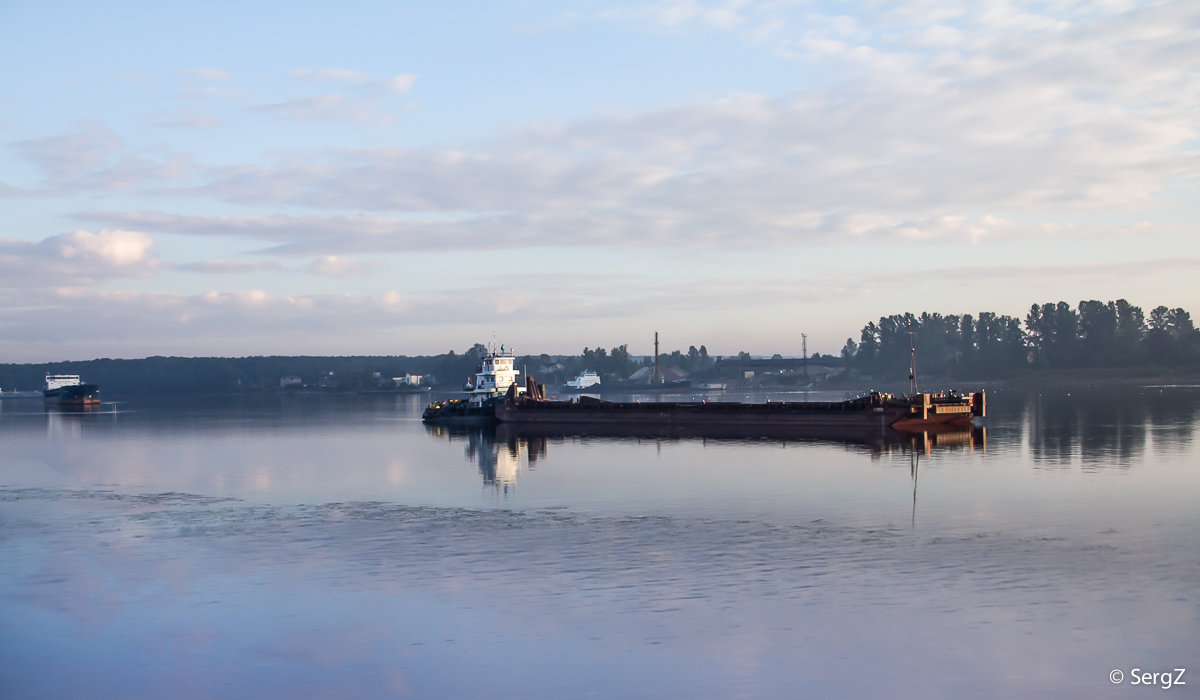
<point>906,413</point>
<point>971,437</point>
<point>69,390</point>
<point>497,446</point>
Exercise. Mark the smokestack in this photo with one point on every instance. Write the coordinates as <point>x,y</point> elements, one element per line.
<point>655,379</point>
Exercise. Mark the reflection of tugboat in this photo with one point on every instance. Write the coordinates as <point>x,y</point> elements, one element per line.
<point>498,457</point>
<point>67,389</point>
<point>493,379</point>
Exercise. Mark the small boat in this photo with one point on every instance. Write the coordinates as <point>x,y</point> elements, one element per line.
<point>69,389</point>
<point>494,378</point>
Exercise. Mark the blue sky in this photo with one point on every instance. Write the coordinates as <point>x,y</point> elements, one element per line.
<point>408,178</point>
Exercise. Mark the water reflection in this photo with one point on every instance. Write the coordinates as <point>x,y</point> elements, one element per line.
<point>498,456</point>
<point>499,449</point>
<point>249,531</point>
<point>1104,428</point>
<point>69,421</point>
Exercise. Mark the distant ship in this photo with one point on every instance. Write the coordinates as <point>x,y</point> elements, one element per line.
<point>69,389</point>
<point>582,382</point>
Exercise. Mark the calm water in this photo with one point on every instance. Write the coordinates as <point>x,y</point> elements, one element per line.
<point>321,546</point>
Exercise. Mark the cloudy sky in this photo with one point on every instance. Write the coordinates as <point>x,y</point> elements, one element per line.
<point>244,178</point>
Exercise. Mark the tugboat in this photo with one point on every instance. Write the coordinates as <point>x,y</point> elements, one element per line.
<point>494,379</point>
<point>69,390</point>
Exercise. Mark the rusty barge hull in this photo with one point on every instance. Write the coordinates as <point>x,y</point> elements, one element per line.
<point>919,413</point>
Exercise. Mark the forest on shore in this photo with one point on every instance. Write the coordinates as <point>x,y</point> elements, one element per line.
<point>1053,338</point>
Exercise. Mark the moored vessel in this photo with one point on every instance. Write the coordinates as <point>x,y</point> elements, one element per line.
<point>69,389</point>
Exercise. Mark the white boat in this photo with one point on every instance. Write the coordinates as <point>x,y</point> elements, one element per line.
<point>583,381</point>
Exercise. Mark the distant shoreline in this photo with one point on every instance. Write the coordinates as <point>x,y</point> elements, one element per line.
<point>367,375</point>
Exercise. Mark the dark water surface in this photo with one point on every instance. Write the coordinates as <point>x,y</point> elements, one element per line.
<point>333,546</point>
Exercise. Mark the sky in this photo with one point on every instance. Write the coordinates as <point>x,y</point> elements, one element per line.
<point>403,178</point>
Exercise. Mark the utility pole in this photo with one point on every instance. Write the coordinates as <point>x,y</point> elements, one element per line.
<point>912,368</point>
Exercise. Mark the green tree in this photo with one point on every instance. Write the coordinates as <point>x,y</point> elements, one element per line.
<point>1097,333</point>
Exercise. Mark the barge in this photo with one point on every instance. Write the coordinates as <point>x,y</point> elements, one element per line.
<point>904,413</point>
<point>495,395</point>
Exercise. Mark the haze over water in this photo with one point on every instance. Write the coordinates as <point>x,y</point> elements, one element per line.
<point>333,546</point>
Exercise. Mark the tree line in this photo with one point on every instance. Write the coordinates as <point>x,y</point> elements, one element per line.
<point>200,375</point>
<point>618,363</point>
<point>1056,335</point>
<point>1053,336</point>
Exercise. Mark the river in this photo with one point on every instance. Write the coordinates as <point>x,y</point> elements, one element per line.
<point>333,546</point>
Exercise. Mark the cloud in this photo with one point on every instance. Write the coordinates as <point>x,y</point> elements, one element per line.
<point>79,258</point>
<point>333,236</point>
<point>188,118</point>
<point>930,132</point>
<point>209,75</point>
<point>94,159</point>
<point>546,311</point>
<point>114,248</point>
<point>236,321</point>
<point>680,13</point>
<point>401,84</point>
<point>74,322</point>
<point>69,156</point>
<point>332,74</point>
<point>329,108</point>
<point>228,267</point>
<point>937,124</point>
<point>337,266</point>
<point>327,236</point>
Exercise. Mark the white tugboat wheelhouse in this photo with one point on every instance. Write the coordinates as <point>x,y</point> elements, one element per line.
<point>494,376</point>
